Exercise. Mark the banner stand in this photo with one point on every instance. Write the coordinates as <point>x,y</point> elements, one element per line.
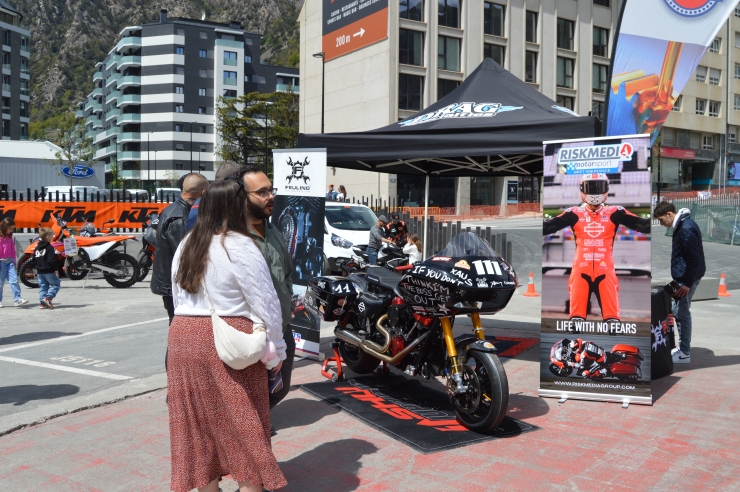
<point>564,395</point>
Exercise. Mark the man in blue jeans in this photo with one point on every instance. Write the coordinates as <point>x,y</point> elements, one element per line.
<point>687,269</point>
<point>376,240</point>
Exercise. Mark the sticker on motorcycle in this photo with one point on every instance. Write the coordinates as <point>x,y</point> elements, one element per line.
<point>441,258</point>
<point>462,264</point>
<point>487,267</point>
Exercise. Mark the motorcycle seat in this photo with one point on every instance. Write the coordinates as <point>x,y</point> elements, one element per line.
<point>383,277</point>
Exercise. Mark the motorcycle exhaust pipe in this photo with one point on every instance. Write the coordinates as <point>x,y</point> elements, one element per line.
<point>347,336</point>
<point>353,339</point>
<point>383,331</point>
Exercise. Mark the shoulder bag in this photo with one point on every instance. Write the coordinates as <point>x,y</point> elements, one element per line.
<point>235,348</point>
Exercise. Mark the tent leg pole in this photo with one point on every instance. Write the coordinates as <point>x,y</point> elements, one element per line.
<point>426,213</point>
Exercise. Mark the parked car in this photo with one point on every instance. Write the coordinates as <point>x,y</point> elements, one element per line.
<point>167,194</point>
<point>50,192</point>
<point>345,225</point>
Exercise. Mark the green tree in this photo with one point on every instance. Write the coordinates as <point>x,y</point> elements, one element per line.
<point>75,150</point>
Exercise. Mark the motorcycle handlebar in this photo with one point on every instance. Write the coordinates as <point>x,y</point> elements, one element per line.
<point>404,268</point>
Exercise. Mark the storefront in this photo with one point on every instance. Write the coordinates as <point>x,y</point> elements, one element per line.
<point>683,170</point>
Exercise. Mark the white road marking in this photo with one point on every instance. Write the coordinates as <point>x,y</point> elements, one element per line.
<point>33,344</point>
<point>76,370</point>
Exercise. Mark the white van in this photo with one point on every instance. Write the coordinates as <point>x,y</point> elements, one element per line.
<point>167,194</point>
<point>50,192</point>
<point>345,225</point>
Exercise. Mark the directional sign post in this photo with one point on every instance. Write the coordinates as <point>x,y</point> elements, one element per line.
<point>349,25</point>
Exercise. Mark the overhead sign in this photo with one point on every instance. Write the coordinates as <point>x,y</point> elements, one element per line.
<point>349,25</point>
<point>79,171</point>
<point>677,153</point>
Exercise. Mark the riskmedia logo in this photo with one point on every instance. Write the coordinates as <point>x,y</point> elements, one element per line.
<point>691,8</point>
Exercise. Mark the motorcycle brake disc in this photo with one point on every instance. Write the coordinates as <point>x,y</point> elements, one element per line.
<point>469,401</point>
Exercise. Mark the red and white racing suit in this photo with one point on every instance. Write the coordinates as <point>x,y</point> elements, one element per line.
<point>593,264</point>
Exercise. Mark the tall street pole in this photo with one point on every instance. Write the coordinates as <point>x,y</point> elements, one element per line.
<point>148,167</point>
<point>191,146</point>
<point>322,55</point>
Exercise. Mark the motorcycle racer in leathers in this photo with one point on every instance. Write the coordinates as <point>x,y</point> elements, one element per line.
<point>594,226</point>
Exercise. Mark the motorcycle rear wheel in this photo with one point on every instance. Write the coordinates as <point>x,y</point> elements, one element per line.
<point>145,262</point>
<point>488,393</point>
<point>128,269</point>
<point>356,359</point>
<point>27,273</point>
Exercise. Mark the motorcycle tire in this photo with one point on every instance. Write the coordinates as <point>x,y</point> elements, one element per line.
<point>563,373</point>
<point>356,359</point>
<point>145,263</point>
<point>121,281</point>
<point>27,273</point>
<point>77,267</point>
<point>492,393</point>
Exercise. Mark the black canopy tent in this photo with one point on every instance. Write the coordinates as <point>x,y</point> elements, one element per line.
<point>493,124</point>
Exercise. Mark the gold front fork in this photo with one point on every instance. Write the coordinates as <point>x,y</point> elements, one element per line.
<point>450,343</point>
<point>480,334</point>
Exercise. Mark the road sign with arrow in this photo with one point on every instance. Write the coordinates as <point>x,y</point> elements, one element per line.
<point>349,25</point>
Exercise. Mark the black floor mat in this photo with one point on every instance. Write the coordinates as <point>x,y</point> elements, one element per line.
<point>407,411</point>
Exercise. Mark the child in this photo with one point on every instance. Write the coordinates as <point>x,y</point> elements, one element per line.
<point>47,264</point>
<point>7,262</point>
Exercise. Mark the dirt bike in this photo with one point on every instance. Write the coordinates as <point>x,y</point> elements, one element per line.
<point>593,362</point>
<point>405,320</point>
<point>148,245</point>
<point>94,254</point>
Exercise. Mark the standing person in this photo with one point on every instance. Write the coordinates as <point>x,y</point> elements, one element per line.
<point>342,196</point>
<point>331,194</point>
<point>47,268</point>
<point>687,269</point>
<point>171,230</point>
<point>220,417</point>
<point>227,169</point>
<point>413,248</point>
<point>376,240</point>
<point>271,242</point>
<point>7,262</point>
<point>397,229</point>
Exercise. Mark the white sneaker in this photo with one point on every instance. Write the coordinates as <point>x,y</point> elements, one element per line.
<point>1,304</point>
<point>20,302</point>
<point>680,358</point>
<point>674,350</point>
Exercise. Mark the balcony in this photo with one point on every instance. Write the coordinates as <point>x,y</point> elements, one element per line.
<point>98,92</point>
<point>6,109</point>
<point>112,62</point>
<point>129,137</point>
<point>91,134</point>
<point>94,121</point>
<point>112,79</point>
<point>97,108</point>
<point>230,61</point>
<point>25,71</point>
<point>129,42</point>
<point>129,81</point>
<point>25,52</point>
<point>25,91</point>
<point>128,100</point>
<point>79,113</point>
<point>284,88</point>
<point>98,76</point>
<point>230,44</point>
<point>131,155</point>
<point>112,97</point>
<point>6,88</point>
<point>103,136</point>
<point>112,114</point>
<point>105,152</point>
<point>127,118</point>
<point>129,61</point>
<point>229,81</point>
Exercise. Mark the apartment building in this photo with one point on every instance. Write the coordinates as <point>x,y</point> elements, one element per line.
<point>153,108</point>
<point>16,74</point>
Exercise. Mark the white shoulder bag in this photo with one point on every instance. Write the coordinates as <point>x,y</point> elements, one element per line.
<point>235,348</point>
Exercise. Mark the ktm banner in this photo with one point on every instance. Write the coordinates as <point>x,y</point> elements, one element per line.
<point>658,46</point>
<point>125,215</point>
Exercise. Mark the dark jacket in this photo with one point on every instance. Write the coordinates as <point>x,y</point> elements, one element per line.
<point>45,258</point>
<point>169,234</point>
<point>687,254</point>
<point>278,260</point>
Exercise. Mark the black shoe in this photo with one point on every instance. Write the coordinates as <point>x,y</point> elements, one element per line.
<point>273,432</point>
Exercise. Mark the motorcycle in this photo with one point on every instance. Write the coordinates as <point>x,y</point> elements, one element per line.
<point>593,362</point>
<point>388,255</point>
<point>405,320</point>
<point>94,254</point>
<point>148,245</point>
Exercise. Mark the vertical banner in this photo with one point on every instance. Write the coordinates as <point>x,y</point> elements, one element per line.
<point>596,266</point>
<point>658,46</point>
<point>300,178</point>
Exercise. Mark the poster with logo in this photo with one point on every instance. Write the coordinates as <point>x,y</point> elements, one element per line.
<point>596,266</point>
<point>658,45</point>
<point>300,178</point>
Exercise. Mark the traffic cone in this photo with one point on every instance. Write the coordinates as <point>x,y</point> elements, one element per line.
<point>722,287</point>
<point>530,288</point>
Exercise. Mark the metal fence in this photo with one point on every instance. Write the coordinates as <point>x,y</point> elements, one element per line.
<point>718,217</point>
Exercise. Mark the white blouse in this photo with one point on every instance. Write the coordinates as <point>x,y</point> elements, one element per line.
<point>239,284</point>
<point>413,252</point>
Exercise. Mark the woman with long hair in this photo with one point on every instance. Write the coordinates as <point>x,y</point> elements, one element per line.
<point>220,417</point>
<point>7,262</point>
<point>413,249</point>
<point>342,196</point>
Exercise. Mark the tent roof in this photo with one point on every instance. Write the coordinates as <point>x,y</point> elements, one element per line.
<point>493,124</point>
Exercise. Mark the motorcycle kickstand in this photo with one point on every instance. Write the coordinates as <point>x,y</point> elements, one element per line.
<point>339,376</point>
<point>383,372</point>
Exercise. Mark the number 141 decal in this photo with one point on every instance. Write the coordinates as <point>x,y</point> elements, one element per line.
<point>487,267</point>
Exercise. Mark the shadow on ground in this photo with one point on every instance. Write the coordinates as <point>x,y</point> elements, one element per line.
<point>523,407</point>
<point>35,337</point>
<point>299,412</point>
<point>23,393</point>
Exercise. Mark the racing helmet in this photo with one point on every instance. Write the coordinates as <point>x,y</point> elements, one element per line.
<point>594,188</point>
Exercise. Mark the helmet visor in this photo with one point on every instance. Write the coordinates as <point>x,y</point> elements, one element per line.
<point>595,187</point>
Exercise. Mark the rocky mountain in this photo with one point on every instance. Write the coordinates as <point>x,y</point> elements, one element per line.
<point>68,37</point>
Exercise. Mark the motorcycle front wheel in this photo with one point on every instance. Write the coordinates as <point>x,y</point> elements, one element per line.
<point>27,273</point>
<point>484,405</point>
<point>145,262</point>
<point>127,274</point>
<point>356,359</point>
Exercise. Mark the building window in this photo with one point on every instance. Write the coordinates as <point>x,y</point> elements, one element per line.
<point>180,147</point>
<point>737,12</point>
<point>246,78</point>
<point>707,142</point>
<point>24,109</point>
<point>203,35</point>
<point>179,89</point>
<point>597,109</point>
<point>411,9</point>
<point>179,166</point>
<point>24,66</point>
<point>179,127</point>
<point>668,137</point>
<point>6,60</point>
<point>202,129</point>
<point>694,139</point>
<point>530,67</point>
<point>230,58</point>
<point>677,105</point>
<point>732,135</point>
<point>701,74</point>
<point>599,78</point>
<point>601,41</point>
<point>180,70</point>
<point>202,91</point>
<point>445,86</point>
<point>203,73</point>
<point>202,148</point>
<point>603,3</point>
<point>203,53</point>
<point>24,43</point>
<point>259,79</point>
<point>714,108</point>
<point>179,50</point>
<point>228,93</point>
<point>247,59</point>
<point>494,52</point>
<point>493,18</point>
<point>714,76</point>
<point>531,27</point>
<point>6,105</point>
<point>409,92</point>
<point>448,13</point>
<point>566,102</point>
<point>737,70</point>
<point>24,88</point>
<point>448,51</point>
<point>701,106</point>
<point>6,38</point>
<point>229,77</point>
<point>565,72</point>
<point>24,131</point>
<point>411,44</point>
<point>6,127</point>
<point>201,110</point>
<point>178,108</point>
<point>716,45</point>
<point>566,30</point>
<point>181,32</point>
<point>737,102</point>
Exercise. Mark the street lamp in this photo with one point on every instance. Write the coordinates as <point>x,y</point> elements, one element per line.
<point>191,146</point>
<point>322,55</point>
<point>148,167</point>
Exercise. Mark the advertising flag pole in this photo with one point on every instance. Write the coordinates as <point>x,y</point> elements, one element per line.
<point>426,213</point>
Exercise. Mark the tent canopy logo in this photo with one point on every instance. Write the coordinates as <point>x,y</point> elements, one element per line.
<point>460,110</point>
<point>691,8</point>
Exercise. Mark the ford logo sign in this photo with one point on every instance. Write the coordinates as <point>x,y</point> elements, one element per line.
<point>79,171</point>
